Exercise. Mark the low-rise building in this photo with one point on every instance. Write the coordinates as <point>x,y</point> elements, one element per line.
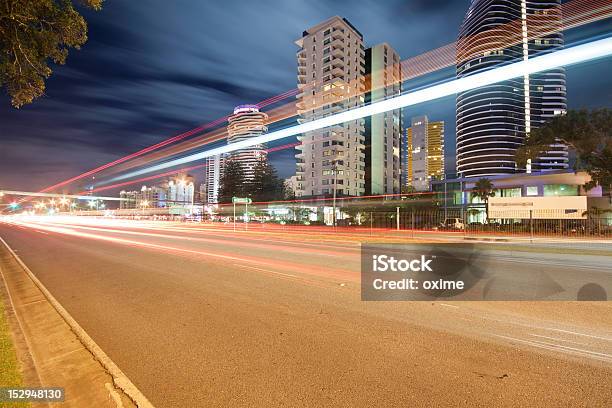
<point>456,194</point>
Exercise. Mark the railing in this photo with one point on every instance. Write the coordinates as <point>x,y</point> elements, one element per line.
<point>590,226</point>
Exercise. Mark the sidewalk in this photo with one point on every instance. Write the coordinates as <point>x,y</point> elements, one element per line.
<point>49,350</point>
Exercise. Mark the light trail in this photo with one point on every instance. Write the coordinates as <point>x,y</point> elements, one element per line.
<point>58,195</point>
<point>569,56</point>
<point>156,176</point>
<point>573,14</point>
<point>60,227</point>
<point>166,142</point>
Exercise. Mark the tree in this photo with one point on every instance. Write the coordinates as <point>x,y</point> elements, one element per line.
<point>587,133</point>
<point>483,189</point>
<point>33,33</point>
<point>232,182</point>
<point>265,186</point>
<point>289,192</point>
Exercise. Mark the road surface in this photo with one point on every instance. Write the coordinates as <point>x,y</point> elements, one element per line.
<point>202,316</point>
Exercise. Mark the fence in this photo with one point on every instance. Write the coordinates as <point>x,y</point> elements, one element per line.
<point>452,221</point>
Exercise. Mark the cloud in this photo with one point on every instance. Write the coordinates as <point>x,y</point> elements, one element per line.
<point>149,72</point>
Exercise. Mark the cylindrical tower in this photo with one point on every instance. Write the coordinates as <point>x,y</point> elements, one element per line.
<point>493,120</point>
<point>247,122</point>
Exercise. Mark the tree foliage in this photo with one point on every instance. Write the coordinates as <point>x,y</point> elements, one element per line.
<point>266,186</point>
<point>587,133</point>
<point>232,182</point>
<point>483,189</point>
<point>32,34</point>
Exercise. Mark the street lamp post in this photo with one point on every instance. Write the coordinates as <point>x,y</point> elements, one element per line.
<point>335,170</point>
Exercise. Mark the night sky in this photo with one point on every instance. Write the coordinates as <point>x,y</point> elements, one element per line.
<point>151,70</point>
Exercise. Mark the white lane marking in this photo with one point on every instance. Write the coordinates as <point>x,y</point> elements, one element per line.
<point>557,339</point>
<point>535,326</point>
<point>561,348</point>
<point>265,270</point>
<point>447,305</point>
<point>582,334</point>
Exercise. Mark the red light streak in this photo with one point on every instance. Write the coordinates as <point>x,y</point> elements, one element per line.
<point>155,176</point>
<point>574,13</point>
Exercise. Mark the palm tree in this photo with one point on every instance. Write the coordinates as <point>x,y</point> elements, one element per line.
<point>483,189</point>
<point>596,213</point>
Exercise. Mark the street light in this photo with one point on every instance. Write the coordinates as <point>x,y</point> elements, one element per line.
<point>335,170</point>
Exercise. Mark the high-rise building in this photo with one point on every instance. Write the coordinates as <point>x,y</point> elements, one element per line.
<point>331,68</point>
<point>247,122</point>
<point>129,199</point>
<point>382,131</point>
<point>494,120</point>
<point>180,191</point>
<point>213,172</point>
<point>147,197</point>
<point>424,153</point>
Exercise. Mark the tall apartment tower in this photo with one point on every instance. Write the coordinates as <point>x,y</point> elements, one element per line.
<point>180,190</point>
<point>247,122</point>
<point>424,153</point>
<point>213,172</point>
<point>494,120</point>
<point>383,131</point>
<point>331,68</point>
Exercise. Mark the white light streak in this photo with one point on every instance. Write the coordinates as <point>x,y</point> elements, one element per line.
<point>62,196</point>
<point>569,56</point>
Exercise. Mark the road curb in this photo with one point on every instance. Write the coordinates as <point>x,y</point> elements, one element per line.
<point>119,377</point>
<point>486,239</point>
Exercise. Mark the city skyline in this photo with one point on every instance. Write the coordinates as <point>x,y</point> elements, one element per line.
<point>259,204</point>
<point>43,150</point>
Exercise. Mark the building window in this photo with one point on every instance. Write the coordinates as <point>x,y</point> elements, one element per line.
<point>560,190</point>
<point>531,190</point>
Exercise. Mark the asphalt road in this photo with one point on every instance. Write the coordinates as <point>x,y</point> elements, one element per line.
<point>201,316</point>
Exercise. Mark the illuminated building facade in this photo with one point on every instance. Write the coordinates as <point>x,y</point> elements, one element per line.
<point>213,172</point>
<point>494,120</point>
<point>247,122</point>
<point>180,191</point>
<point>331,68</point>
<point>383,131</point>
<point>424,153</point>
<point>147,197</point>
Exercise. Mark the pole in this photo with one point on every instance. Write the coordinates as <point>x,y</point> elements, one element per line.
<point>335,169</point>
<point>397,220</point>
<point>234,216</point>
<point>412,220</point>
<point>531,224</point>
<point>445,199</point>
<point>246,215</point>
